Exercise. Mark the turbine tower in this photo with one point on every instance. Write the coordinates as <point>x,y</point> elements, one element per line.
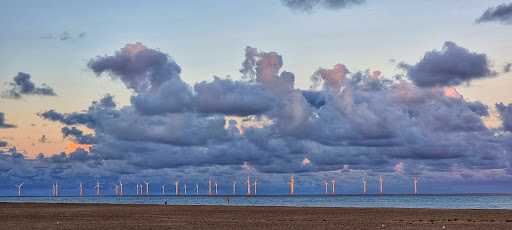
<point>415,186</point>
<point>248,186</point>
<point>326,187</point>
<point>185,189</point>
<point>256,187</point>
<point>147,187</point>
<point>53,189</point>
<point>137,189</point>
<point>364,186</point>
<point>117,188</point>
<point>197,189</point>
<point>97,186</point>
<point>121,184</point>
<point>56,189</point>
<point>216,188</point>
<point>333,181</point>
<point>140,186</point>
<point>163,190</point>
<point>381,185</point>
<point>292,183</point>
<point>234,187</point>
<point>80,189</point>
<point>19,188</point>
<point>176,183</point>
<point>210,187</point>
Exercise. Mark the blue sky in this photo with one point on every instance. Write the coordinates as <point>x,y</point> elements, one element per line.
<point>209,38</point>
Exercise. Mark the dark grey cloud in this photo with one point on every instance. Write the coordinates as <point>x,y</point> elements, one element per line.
<point>309,5</point>
<point>3,143</point>
<point>505,112</point>
<point>451,66</point>
<point>501,13</point>
<point>140,68</point>
<point>22,85</point>
<point>479,108</point>
<point>4,125</point>
<point>43,139</point>
<point>507,67</point>
<point>78,135</point>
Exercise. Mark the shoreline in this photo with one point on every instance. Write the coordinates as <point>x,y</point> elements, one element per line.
<point>14,215</point>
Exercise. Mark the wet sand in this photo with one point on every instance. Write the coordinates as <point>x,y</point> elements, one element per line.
<point>141,216</point>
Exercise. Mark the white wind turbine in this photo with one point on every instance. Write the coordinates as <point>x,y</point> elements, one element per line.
<point>19,188</point>
<point>234,184</point>
<point>53,189</point>
<point>163,190</point>
<point>176,183</point>
<point>117,188</point>
<point>137,189</point>
<point>80,189</point>
<point>98,186</point>
<point>185,189</point>
<point>147,187</point>
<point>121,184</point>
<point>197,189</point>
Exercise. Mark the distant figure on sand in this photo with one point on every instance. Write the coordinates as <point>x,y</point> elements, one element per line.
<point>165,202</point>
<point>228,199</point>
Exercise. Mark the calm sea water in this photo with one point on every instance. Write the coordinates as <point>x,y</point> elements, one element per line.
<point>445,201</point>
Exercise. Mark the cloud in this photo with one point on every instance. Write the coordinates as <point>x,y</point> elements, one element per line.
<point>505,112</point>
<point>43,139</point>
<point>22,85</point>
<point>309,5</point>
<point>140,68</point>
<point>358,123</point>
<point>66,36</point>
<point>507,67</point>
<point>501,13</point>
<point>4,125</point>
<point>452,66</point>
<point>3,144</point>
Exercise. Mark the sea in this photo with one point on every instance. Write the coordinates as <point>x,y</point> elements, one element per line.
<point>436,201</point>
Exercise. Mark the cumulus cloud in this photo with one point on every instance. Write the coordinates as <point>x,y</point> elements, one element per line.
<point>358,123</point>
<point>501,13</point>
<point>4,125</point>
<point>507,67</point>
<point>309,5</point>
<point>140,68</point>
<point>22,85</point>
<point>451,66</point>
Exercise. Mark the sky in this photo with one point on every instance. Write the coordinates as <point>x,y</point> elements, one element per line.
<point>319,90</point>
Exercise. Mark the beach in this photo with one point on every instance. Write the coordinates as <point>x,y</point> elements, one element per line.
<point>145,216</point>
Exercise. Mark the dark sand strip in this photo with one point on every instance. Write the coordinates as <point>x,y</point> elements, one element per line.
<point>135,216</point>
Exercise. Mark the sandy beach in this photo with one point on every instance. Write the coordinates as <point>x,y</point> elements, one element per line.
<point>138,216</point>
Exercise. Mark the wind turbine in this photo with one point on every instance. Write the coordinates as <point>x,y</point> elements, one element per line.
<point>137,189</point>
<point>121,184</point>
<point>53,189</point>
<point>19,188</point>
<point>56,189</point>
<point>234,187</point>
<point>292,183</point>
<point>326,187</point>
<point>163,190</point>
<point>197,189</point>
<point>80,189</point>
<point>364,185</point>
<point>147,187</point>
<point>210,187</point>
<point>415,186</point>
<point>176,183</point>
<point>140,186</point>
<point>216,188</point>
<point>256,187</point>
<point>117,188</point>
<point>381,185</point>
<point>333,181</point>
<point>248,186</point>
<point>185,189</point>
<point>98,186</point>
